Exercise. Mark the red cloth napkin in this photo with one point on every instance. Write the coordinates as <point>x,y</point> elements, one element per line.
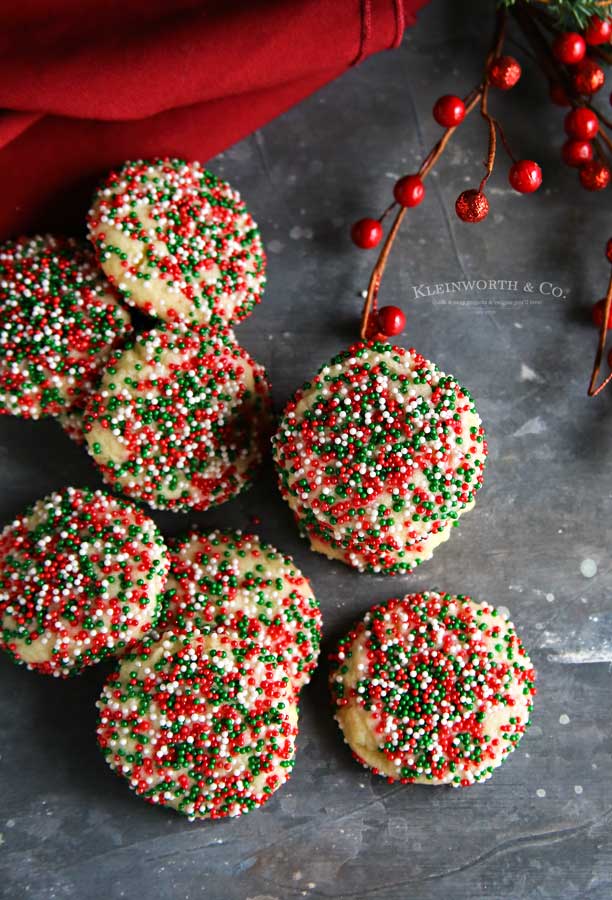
<point>85,84</point>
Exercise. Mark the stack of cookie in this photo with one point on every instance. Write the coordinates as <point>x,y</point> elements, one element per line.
<point>217,634</point>
<point>179,415</point>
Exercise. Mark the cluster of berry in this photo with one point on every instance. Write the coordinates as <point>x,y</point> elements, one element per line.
<point>585,77</point>
<point>577,76</point>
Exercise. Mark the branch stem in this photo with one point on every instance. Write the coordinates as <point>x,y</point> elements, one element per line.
<point>601,346</point>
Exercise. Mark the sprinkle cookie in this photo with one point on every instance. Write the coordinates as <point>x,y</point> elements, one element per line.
<point>178,242</point>
<point>81,574</point>
<point>233,583</point>
<point>180,418</point>
<point>200,724</point>
<point>378,456</point>
<point>59,321</point>
<point>433,689</point>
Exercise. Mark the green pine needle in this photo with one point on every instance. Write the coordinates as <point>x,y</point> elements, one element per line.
<point>568,13</point>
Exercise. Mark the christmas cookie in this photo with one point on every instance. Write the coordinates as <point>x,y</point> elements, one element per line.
<point>200,724</point>
<point>178,242</point>
<point>378,456</point>
<point>58,323</point>
<point>234,583</point>
<point>180,418</point>
<point>81,574</point>
<point>432,688</point>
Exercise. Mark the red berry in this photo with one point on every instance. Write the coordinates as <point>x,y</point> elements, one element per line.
<point>581,123</point>
<point>609,250</point>
<point>597,314</point>
<point>558,94</point>
<point>525,176</point>
<point>472,206</point>
<point>449,110</point>
<point>391,320</point>
<point>569,48</point>
<point>366,233</point>
<point>599,31</point>
<point>504,72</point>
<point>577,153</point>
<point>588,77</point>
<point>595,176</point>
<point>409,190</point>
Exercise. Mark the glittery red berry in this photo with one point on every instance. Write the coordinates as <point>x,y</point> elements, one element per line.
<point>576,153</point>
<point>391,320</point>
<point>367,233</point>
<point>609,250</point>
<point>588,77</point>
<point>449,110</point>
<point>472,206</point>
<point>525,176</point>
<point>569,48</point>
<point>598,31</point>
<point>504,72</point>
<point>597,314</point>
<point>558,94</point>
<point>409,190</point>
<point>595,176</point>
<point>581,123</point>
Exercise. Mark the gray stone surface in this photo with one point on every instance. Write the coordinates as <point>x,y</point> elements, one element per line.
<point>541,827</point>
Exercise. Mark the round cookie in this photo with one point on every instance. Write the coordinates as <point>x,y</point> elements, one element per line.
<point>180,418</point>
<point>200,724</point>
<point>81,573</point>
<point>378,456</point>
<point>432,688</point>
<point>59,321</point>
<point>233,583</point>
<point>178,242</point>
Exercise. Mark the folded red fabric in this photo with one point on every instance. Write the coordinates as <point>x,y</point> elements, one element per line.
<point>85,85</point>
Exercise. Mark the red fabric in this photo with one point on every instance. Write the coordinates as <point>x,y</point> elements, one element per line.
<point>86,84</point>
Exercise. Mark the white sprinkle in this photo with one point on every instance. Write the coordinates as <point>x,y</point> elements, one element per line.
<point>564,719</point>
<point>588,568</point>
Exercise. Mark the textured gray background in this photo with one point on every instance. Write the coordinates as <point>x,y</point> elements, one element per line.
<point>541,827</point>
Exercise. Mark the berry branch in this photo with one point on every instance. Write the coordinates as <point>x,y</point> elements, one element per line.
<point>569,61</point>
<point>411,192</point>
<point>525,176</point>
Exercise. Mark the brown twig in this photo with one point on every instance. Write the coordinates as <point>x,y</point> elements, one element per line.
<point>601,346</point>
<point>471,101</point>
<point>604,55</point>
<point>492,123</point>
<point>602,136</point>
